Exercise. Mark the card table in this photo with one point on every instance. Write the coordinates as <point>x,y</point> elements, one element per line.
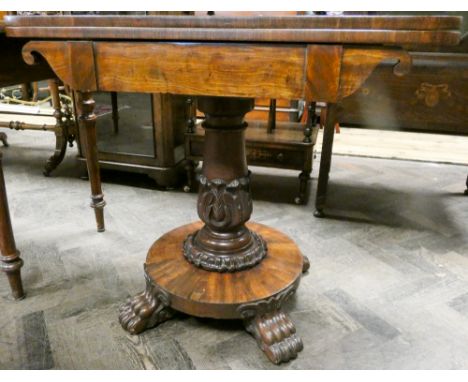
<point>222,267</point>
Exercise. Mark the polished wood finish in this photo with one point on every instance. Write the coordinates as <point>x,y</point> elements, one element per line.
<point>236,70</point>
<point>73,62</point>
<point>290,146</point>
<point>10,261</point>
<point>224,244</point>
<point>201,69</point>
<point>431,30</point>
<point>255,295</point>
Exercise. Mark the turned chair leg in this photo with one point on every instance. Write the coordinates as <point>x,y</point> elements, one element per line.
<point>3,138</point>
<point>115,112</point>
<point>10,261</point>
<point>61,131</point>
<point>190,171</point>
<point>325,160</point>
<point>304,178</point>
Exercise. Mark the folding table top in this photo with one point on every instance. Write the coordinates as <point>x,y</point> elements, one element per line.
<point>378,30</point>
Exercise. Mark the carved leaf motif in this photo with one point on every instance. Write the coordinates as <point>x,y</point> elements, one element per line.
<point>222,204</point>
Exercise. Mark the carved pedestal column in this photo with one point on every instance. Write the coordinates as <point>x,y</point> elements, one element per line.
<point>223,267</point>
<point>10,263</point>
<point>224,200</point>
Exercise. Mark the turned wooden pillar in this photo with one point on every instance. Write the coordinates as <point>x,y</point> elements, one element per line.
<point>224,200</point>
<point>87,123</point>
<point>11,262</point>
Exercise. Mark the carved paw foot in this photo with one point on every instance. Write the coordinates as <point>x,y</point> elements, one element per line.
<point>276,336</point>
<point>145,311</point>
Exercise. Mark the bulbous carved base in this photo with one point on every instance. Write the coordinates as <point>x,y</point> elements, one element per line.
<point>250,255</point>
<point>145,310</point>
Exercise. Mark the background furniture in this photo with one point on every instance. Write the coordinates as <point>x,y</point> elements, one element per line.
<point>10,261</point>
<point>23,114</point>
<point>433,97</point>
<point>286,144</point>
<point>14,71</point>
<point>145,136</point>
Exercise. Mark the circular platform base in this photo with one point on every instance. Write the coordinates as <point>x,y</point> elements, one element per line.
<point>203,293</point>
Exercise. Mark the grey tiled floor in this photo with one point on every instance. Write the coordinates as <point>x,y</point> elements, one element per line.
<point>387,288</point>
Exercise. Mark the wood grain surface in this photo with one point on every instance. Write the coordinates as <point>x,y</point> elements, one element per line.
<point>218,295</point>
<point>433,30</point>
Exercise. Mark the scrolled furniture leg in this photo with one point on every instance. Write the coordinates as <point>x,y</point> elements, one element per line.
<point>87,120</point>
<point>466,191</point>
<point>10,261</point>
<point>325,160</point>
<point>61,130</point>
<point>3,138</point>
<point>145,310</point>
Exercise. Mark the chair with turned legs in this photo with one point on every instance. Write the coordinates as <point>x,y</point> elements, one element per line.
<point>10,262</point>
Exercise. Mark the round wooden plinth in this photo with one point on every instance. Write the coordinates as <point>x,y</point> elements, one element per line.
<point>219,295</point>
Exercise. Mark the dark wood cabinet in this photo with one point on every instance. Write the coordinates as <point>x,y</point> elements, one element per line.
<point>432,97</point>
<point>150,136</point>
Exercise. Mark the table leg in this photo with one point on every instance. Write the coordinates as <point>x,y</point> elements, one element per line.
<point>61,131</point>
<point>11,262</point>
<point>87,121</point>
<point>466,191</point>
<point>325,160</point>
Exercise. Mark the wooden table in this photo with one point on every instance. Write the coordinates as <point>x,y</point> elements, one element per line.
<point>222,267</point>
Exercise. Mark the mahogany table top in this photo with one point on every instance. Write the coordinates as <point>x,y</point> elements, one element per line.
<point>388,30</point>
